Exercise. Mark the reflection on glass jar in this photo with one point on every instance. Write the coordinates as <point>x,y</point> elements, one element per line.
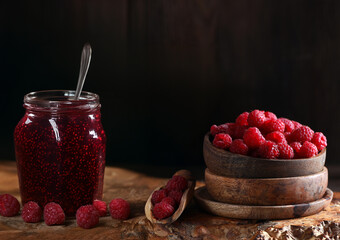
<point>60,149</point>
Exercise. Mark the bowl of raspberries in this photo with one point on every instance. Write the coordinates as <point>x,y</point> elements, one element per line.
<point>261,145</point>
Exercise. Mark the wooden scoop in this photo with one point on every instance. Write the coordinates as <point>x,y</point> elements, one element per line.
<point>186,197</point>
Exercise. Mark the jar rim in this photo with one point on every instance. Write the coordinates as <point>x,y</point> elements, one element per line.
<point>60,100</point>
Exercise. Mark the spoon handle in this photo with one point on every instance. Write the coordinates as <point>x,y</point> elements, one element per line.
<point>84,67</point>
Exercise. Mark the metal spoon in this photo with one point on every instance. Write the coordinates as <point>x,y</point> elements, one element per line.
<point>84,67</point>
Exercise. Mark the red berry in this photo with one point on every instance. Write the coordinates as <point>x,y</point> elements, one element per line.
<point>256,118</point>
<point>222,140</point>
<point>31,212</point>
<point>296,147</point>
<point>158,196</point>
<point>308,150</point>
<point>238,146</point>
<point>302,134</point>
<point>270,115</point>
<point>162,210</point>
<point>223,128</point>
<point>286,151</point>
<point>273,125</point>
<point>9,205</point>
<point>253,137</point>
<point>101,207</point>
<point>238,132</point>
<point>319,140</point>
<point>214,129</point>
<point>277,137</point>
<point>170,200</point>
<point>178,183</point>
<point>296,124</point>
<point>87,216</point>
<point>242,119</point>
<point>119,209</point>
<point>269,150</point>
<point>176,195</point>
<point>53,214</point>
<point>289,125</point>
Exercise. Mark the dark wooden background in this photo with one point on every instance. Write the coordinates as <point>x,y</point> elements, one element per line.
<point>168,69</point>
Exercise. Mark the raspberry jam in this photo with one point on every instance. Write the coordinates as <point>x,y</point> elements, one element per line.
<point>60,149</point>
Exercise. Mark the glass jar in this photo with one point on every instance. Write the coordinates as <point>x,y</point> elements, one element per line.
<point>60,149</point>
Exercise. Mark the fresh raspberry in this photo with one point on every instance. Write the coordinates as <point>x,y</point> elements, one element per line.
<point>296,147</point>
<point>119,209</point>
<point>277,137</point>
<point>238,132</point>
<point>176,195</point>
<point>223,128</point>
<point>53,214</point>
<point>242,119</point>
<point>162,210</point>
<point>170,200</point>
<point>273,125</point>
<point>256,118</point>
<point>270,115</point>
<point>101,207</point>
<point>9,205</point>
<point>222,140</point>
<point>214,129</point>
<point>87,216</point>
<point>31,212</point>
<point>296,124</point>
<point>286,151</point>
<point>308,150</point>
<point>158,196</point>
<point>269,150</point>
<point>319,140</point>
<point>289,125</point>
<point>238,146</point>
<point>302,134</point>
<point>253,137</point>
<point>178,183</point>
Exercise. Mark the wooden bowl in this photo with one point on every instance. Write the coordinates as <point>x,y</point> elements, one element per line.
<point>267,191</point>
<point>225,163</point>
<point>206,202</point>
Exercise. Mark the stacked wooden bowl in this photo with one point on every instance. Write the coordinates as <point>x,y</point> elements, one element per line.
<point>266,188</point>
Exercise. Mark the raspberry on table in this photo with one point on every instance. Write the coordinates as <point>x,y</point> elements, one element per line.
<point>101,207</point>
<point>31,212</point>
<point>170,200</point>
<point>162,210</point>
<point>286,151</point>
<point>273,125</point>
<point>302,134</point>
<point>158,196</point>
<point>296,147</point>
<point>238,146</point>
<point>289,125</point>
<point>222,140</point>
<point>269,150</point>
<point>9,205</point>
<point>277,137</point>
<point>176,195</point>
<point>308,150</point>
<point>87,216</point>
<point>53,214</point>
<point>256,118</point>
<point>270,115</point>
<point>119,209</point>
<point>178,183</point>
<point>242,119</point>
<point>319,140</point>
<point>253,137</point>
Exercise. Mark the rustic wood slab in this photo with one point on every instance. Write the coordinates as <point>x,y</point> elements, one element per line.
<point>193,224</point>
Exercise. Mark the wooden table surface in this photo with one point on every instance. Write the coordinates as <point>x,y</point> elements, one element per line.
<point>193,224</point>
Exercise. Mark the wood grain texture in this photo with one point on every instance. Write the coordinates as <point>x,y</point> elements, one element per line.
<point>225,163</point>
<point>267,191</point>
<point>261,212</point>
<point>193,223</point>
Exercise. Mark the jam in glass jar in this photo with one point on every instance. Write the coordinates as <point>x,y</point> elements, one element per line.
<point>60,149</point>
